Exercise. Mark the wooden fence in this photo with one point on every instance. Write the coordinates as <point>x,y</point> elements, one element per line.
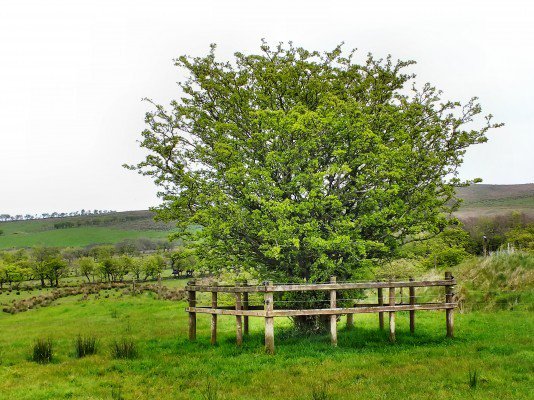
<point>242,310</point>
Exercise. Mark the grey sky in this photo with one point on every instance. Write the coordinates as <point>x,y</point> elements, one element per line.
<point>72,74</point>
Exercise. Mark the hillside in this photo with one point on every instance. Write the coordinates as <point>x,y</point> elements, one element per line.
<point>82,230</point>
<point>487,200</point>
<point>478,200</point>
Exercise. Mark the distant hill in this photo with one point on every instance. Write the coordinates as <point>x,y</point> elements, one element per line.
<point>478,200</point>
<point>82,230</point>
<point>482,199</point>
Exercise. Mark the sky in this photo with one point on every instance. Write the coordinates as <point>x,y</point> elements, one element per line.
<point>73,73</point>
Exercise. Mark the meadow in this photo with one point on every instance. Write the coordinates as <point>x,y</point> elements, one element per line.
<point>497,346</point>
<point>87,230</point>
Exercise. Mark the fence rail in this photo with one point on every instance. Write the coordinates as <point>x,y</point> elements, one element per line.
<point>242,310</point>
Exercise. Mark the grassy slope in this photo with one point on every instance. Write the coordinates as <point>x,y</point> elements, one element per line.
<point>42,232</point>
<point>75,237</point>
<point>496,199</point>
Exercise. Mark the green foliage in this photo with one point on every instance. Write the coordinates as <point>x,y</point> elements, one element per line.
<point>496,229</point>
<point>87,266</point>
<point>521,238</point>
<point>153,266</point>
<point>85,346</point>
<point>124,348</point>
<point>299,164</point>
<point>184,258</point>
<point>43,351</point>
<point>445,250</point>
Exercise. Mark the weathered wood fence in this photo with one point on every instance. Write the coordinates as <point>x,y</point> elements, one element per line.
<point>242,310</point>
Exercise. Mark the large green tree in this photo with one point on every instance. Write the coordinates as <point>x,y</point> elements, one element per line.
<point>299,164</point>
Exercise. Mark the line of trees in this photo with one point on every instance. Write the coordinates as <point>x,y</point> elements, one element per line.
<point>106,263</point>
<point>55,214</point>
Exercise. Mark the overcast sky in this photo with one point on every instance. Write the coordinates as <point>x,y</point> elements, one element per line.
<point>72,75</point>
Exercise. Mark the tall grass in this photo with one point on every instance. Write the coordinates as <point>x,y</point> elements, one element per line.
<point>124,348</point>
<point>501,281</point>
<point>85,346</point>
<point>320,393</point>
<point>43,351</point>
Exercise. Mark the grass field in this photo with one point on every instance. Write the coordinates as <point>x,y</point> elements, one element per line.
<point>111,228</point>
<point>75,237</point>
<point>498,346</point>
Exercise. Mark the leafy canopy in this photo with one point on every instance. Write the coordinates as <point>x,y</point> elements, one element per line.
<point>304,164</point>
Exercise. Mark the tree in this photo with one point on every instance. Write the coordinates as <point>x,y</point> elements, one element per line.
<point>87,267</point>
<point>56,268</point>
<point>41,256</point>
<point>137,267</point>
<point>153,266</point>
<point>301,165</point>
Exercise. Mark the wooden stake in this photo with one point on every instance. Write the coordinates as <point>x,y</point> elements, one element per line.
<point>380,314</point>
<point>412,312</point>
<point>245,307</point>
<point>269,321</point>
<point>238,320</point>
<point>214,317</point>
<point>392,315</point>
<point>333,318</point>
<point>192,315</point>
<point>449,312</point>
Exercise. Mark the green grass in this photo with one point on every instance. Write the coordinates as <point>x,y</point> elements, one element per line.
<point>73,237</point>
<point>112,228</point>
<point>498,346</point>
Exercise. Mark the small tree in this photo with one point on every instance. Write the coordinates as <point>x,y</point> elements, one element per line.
<point>137,267</point>
<point>153,265</point>
<point>41,256</point>
<point>87,267</point>
<point>56,268</point>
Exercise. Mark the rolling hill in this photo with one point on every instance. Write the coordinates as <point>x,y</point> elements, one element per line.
<point>82,230</point>
<point>478,200</point>
<point>488,200</point>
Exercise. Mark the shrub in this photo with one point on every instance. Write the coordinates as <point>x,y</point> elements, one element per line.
<point>42,351</point>
<point>124,348</point>
<point>320,393</point>
<point>85,346</point>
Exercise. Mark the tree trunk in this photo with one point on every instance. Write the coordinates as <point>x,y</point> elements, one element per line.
<point>312,323</point>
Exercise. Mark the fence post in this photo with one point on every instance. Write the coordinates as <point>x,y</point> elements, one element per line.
<point>350,321</point>
<point>192,315</point>
<point>269,320</point>
<point>245,307</point>
<point>214,317</point>
<point>412,302</point>
<point>380,314</point>
<point>333,318</point>
<point>392,315</point>
<point>449,312</point>
<point>238,320</point>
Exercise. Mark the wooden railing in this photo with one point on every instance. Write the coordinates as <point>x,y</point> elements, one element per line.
<point>242,310</point>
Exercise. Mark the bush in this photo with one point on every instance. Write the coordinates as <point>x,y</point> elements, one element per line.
<point>85,346</point>
<point>124,348</point>
<point>42,351</point>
